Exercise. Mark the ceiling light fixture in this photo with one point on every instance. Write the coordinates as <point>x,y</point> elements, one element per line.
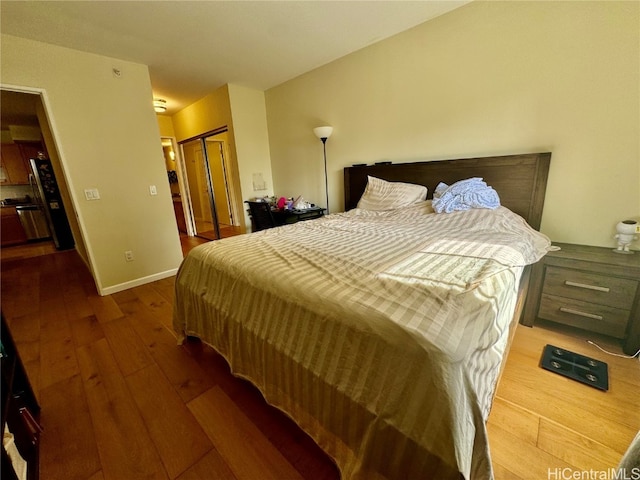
<point>159,105</point>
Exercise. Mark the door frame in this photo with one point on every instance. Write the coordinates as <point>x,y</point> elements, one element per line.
<point>183,184</point>
<point>56,155</point>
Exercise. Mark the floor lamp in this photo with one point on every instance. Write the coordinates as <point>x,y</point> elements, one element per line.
<point>323,133</point>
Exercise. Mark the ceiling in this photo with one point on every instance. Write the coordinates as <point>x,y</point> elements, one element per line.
<point>194,47</point>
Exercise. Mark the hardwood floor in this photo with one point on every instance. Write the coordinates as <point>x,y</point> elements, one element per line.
<point>120,400</point>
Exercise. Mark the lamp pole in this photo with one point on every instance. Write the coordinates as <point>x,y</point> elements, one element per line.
<point>326,178</point>
<point>323,133</point>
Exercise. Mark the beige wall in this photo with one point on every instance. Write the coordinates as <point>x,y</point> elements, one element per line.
<point>165,125</point>
<point>107,138</point>
<point>252,142</point>
<point>488,78</point>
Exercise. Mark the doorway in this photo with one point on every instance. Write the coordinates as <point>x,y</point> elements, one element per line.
<point>27,134</point>
<point>209,186</point>
<point>176,184</point>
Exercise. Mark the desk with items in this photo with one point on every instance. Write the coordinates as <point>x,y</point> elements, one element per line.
<point>280,213</point>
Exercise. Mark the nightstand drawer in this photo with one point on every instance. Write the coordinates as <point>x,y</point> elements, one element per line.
<point>590,287</point>
<point>589,316</point>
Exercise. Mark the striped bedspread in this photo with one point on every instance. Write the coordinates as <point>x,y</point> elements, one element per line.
<point>380,333</point>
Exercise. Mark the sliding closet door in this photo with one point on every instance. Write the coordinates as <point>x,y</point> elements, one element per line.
<point>200,190</point>
<point>219,180</point>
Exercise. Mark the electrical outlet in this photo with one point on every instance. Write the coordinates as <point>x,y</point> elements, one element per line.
<point>638,228</point>
<point>153,190</point>
<point>128,256</point>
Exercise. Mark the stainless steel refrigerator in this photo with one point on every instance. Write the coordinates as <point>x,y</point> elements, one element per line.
<point>47,194</point>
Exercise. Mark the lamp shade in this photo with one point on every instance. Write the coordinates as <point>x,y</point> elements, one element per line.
<point>323,132</point>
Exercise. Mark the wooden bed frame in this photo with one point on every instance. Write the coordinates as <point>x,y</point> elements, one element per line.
<point>520,180</point>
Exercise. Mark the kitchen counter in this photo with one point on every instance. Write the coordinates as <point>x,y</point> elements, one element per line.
<point>15,205</point>
<point>14,202</point>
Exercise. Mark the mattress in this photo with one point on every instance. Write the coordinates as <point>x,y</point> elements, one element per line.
<point>380,333</point>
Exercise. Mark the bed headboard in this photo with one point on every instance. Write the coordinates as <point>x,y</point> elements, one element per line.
<point>520,180</point>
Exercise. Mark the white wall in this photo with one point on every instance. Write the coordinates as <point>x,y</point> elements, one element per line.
<point>108,138</point>
<point>488,78</point>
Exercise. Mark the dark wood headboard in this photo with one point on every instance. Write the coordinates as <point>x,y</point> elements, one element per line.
<point>520,180</point>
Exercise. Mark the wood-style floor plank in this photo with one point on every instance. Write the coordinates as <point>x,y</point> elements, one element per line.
<point>247,452</point>
<point>25,328</point>
<point>184,373</point>
<point>522,423</point>
<point>97,476</point>
<point>21,292</point>
<point>57,362</point>
<point>54,326</point>
<point>519,457</point>
<point>68,449</point>
<point>166,288</point>
<point>104,308</point>
<point>157,304</point>
<point>212,465</point>
<point>575,449</point>
<point>125,447</point>
<point>126,345</point>
<point>175,432</point>
<point>294,444</point>
<point>86,330</point>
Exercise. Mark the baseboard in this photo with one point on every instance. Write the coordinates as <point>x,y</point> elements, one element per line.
<point>137,282</point>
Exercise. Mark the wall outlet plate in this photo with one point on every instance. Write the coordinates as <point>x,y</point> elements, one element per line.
<point>91,194</point>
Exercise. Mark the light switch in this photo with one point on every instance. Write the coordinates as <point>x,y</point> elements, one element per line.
<point>92,194</point>
<point>153,190</point>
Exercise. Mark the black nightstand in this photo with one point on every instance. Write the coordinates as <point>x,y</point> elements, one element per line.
<point>586,287</point>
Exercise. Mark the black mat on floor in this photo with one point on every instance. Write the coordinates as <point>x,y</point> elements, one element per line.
<point>576,367</point>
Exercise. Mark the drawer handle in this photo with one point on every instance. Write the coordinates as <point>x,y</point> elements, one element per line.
<point>587,286</point>
<point>581,314</point>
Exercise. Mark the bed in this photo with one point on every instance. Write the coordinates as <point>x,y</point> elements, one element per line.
<point>382,333</point>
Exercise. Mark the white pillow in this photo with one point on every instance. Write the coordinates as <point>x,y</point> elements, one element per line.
<point>382,195</point>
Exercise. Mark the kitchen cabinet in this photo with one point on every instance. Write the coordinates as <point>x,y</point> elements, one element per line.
<point>15,161</point>
<point>11,230</point>
<point>14,166</point>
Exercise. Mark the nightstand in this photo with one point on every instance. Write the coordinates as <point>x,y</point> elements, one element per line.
<point>590,288</point>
